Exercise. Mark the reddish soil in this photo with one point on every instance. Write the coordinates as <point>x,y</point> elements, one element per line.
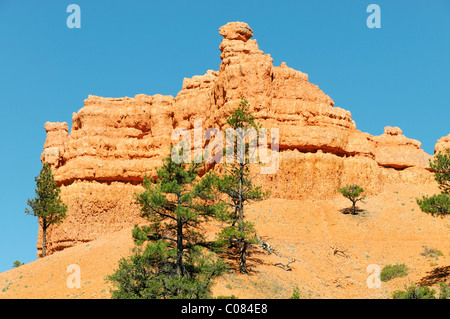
<point>332,251</point>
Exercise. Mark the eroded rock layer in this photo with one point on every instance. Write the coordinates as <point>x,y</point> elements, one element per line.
<point>115,142</point>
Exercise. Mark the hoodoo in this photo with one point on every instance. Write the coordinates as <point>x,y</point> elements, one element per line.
<point>114,142</point>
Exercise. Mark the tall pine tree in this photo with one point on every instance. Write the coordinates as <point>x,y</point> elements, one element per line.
<point>237,183</point>
<point>175,262</point>
<point>47,205</point>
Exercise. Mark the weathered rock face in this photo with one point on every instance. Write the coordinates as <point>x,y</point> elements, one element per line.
<point>442,144</point>
<point>393,149</point>
<point>114,142</point>
<point>116,139</point>
<point>54,147</point>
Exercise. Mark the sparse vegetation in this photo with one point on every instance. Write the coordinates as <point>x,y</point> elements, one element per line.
<point>295,293</point>
<point>393,271</point>
<point>6,287</point>
<point>17,264</point>
<point>419,292</point>
<point>431,252</point>
<point>414,292</point>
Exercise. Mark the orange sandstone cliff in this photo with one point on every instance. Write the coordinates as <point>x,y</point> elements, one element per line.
<point>114,142</point>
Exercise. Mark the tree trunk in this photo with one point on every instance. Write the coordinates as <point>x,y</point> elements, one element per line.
<point>243,257</point>
<point>44,238</point>
<point>243,240</point>
<point>180,241</point>
<point>241,202</point>
<point>180,248</point>
<point>179,261</point>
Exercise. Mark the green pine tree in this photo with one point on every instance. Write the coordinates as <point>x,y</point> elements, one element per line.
<point>439,205</point>
<point>175,262</point>
<point>441,166</point>
<point>47,205</point>
<point>237,184</point>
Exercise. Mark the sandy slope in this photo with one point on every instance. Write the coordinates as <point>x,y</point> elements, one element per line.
<point>332,251</point>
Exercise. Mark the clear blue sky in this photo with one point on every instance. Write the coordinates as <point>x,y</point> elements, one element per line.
<point>397,75</point>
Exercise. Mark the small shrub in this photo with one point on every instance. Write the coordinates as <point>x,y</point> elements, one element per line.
<point>6,288</point>
<point>419,292</point>
<point>444,291</point>
<point>393,271</point>
<point>414,292</point>
<point>17,264</point>
<point>295,294</point>
<point>431,252</point>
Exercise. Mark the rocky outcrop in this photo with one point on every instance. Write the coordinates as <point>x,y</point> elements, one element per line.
<point>442,144</point>
<point>55,143</point>
<point>116,139</point>
<point>395,150</point>
<point>115,142</point>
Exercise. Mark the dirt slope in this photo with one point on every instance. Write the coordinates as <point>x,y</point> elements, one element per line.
<point>332,251</point>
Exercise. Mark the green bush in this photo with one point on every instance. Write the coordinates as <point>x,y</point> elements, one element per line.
<point>431,252</point>
<point>393,271</point>
<point>419,292</point>
<point>414,292</point>
<point>444,292</point>
<point>436,205</point>
<point>295,294</point>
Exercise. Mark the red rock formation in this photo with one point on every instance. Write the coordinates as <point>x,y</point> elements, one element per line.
<point>114,142</point>
<point>54,147</point>
<point>442,144</point>
<point>395,150</point>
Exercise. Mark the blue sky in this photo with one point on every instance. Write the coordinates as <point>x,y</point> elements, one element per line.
<point>397,75</point>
